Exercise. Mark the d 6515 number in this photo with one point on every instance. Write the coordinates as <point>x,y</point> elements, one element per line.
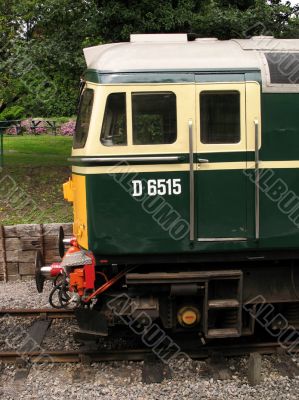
<point>154,187</point>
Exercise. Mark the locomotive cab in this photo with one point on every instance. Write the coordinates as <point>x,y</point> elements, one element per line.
<point>136,141</point>
<point>180,173</point>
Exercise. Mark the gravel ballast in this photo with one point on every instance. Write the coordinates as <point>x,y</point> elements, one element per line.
<point>23,294</point>
<point>123,380</point>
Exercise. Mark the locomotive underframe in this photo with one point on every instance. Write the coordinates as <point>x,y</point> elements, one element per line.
<point>228,302</point>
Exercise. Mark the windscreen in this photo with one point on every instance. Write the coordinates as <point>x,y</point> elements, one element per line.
<point>83,119</point>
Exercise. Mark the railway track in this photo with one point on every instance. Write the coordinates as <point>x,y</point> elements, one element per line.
<point>31,351</point>
<point>42,324</point>
<point>49,313</point>
<point>75,356</point>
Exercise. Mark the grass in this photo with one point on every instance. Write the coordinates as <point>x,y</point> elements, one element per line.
<point>35,167</point>
<point>29,150</point>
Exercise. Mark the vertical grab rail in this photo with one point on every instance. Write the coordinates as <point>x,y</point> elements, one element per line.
<point>191,183</point>
<point>257,178</point>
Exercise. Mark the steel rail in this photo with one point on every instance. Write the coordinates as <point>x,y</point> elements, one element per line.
<point>50,313</point>
<point>75,356</point>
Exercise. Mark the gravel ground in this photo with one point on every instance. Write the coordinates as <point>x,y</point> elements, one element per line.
<point>23,294</point>
<point>122,380</point>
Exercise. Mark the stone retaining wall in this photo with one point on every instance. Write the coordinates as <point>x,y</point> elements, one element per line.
<point>18,246</point>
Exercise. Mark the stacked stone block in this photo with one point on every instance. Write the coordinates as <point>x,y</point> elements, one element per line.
<point>18,246</point>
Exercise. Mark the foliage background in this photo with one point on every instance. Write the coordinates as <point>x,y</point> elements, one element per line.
<point>41,41</point>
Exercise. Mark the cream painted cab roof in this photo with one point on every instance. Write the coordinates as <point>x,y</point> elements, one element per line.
<point>157,56</point>
<point>173,52</point>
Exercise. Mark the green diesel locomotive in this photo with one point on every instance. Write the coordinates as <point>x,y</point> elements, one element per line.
<point>185,185</point>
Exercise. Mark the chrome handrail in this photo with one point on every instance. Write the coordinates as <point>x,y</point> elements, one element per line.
<point>191,183</point>
<point>257,178</point>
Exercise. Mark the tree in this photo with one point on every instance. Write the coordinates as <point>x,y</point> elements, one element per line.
<point>42,41</point>
<point>43,60</point>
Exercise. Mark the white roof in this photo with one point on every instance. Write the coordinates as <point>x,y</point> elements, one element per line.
<point>153,37</point>
<point>268,43</point>
<point>157,52</point>
<point>155,56</point>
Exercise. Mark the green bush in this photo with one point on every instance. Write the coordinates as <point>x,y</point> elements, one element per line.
<point>60,120</point>
<point>12,113</point>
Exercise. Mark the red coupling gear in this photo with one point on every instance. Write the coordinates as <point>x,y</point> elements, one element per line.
<point>77,281</point>
<point>82,279</point>
<point>74,242</point>
<point>90,273</point>
<point>56,269</point>
<point>74,247</point>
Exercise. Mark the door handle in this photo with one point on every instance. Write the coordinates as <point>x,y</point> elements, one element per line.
<point>202,160</point>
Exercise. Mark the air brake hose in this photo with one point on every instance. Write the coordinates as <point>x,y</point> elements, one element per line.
<point>108,284</point>
<point>63,297</point>
<point>55,288</point>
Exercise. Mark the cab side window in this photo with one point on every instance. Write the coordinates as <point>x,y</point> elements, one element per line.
<point>220,118</point>
<point>83,119</point>
<point>114,129</point>
<point>154,118</point>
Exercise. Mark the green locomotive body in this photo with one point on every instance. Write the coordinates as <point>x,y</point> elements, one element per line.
<point>185,162</point>
<point>222,104</point>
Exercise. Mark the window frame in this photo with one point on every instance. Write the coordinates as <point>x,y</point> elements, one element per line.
<point>126,120</point>
<point>82,144</point>
<point>267,84</point>
<point>200,121</point>
<point>222,147</point>
<point>184,103</point>
<point>187,104</point>
<point>171,92</point>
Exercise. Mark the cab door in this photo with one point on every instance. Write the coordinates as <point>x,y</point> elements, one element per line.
<point>226,116</point>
